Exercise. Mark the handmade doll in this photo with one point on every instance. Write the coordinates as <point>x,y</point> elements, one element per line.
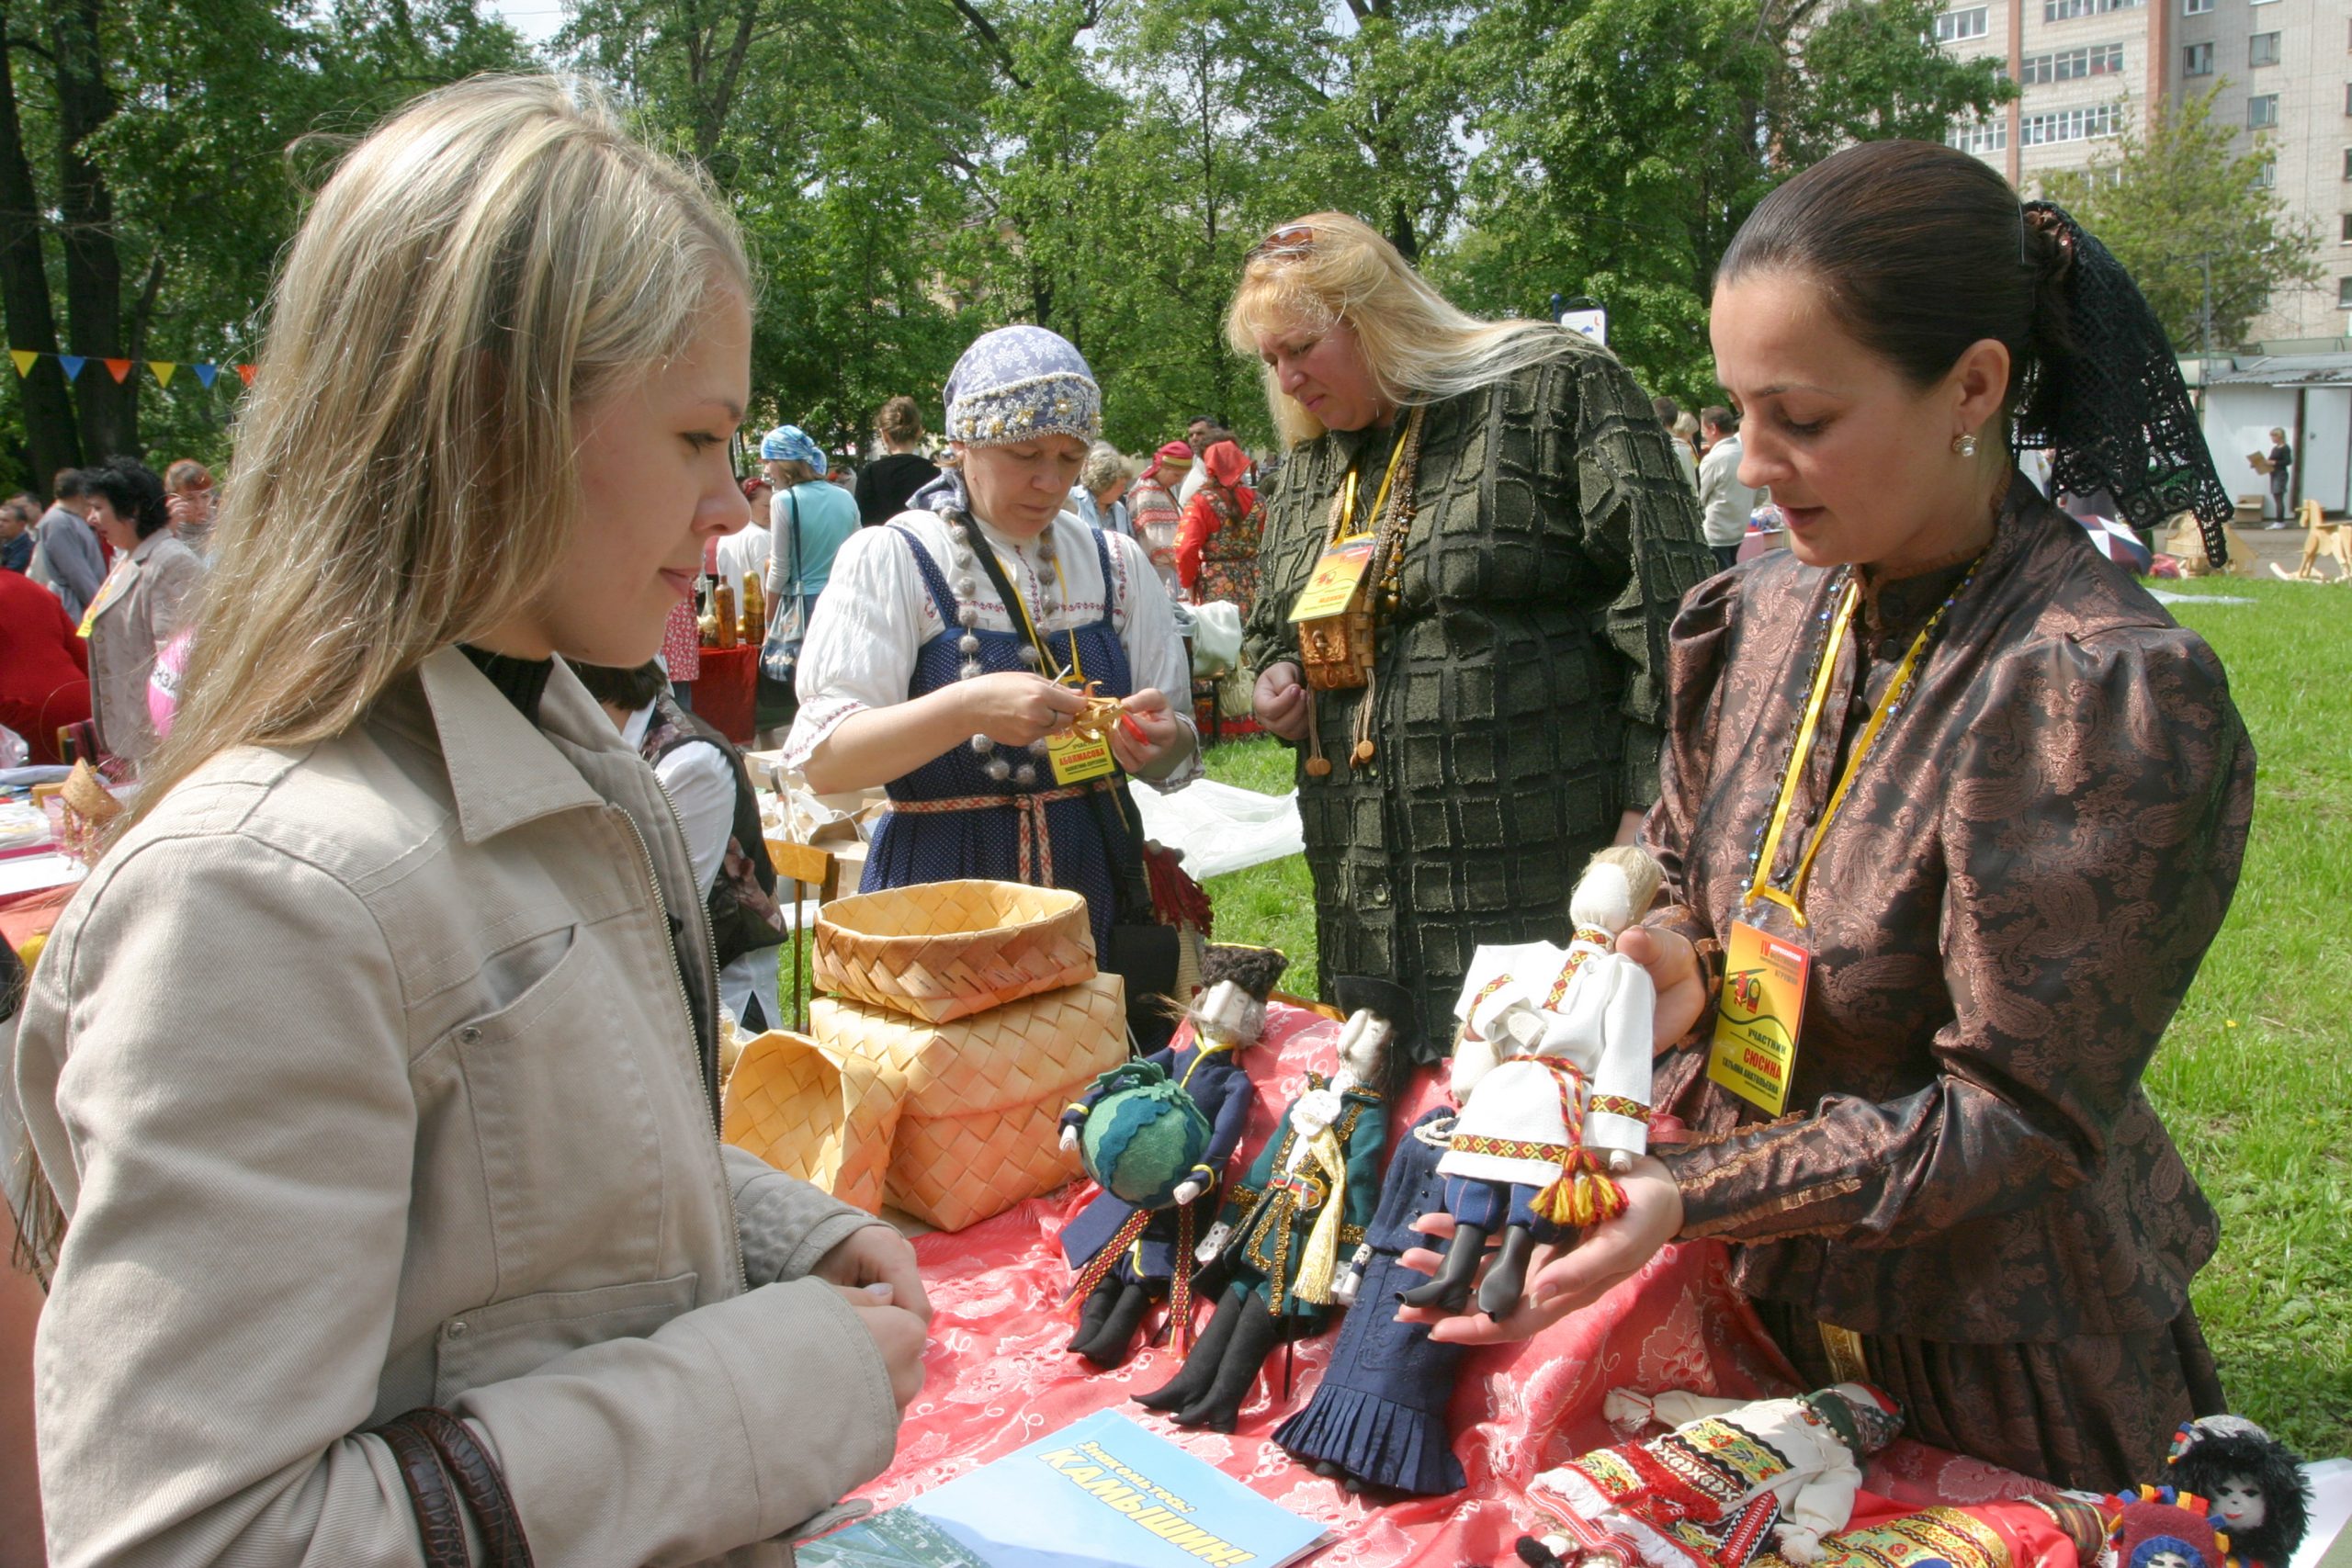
<point>1126,1258</point>
<point>1734,1480</point>
<point>1290,1228</point>
<point>1553,1075</point>
<point>1378,1416</point>
<point>2252,1484</point>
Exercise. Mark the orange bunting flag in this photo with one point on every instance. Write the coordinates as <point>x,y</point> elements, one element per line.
<point>23,358</point>
<point>245,374</point>
<point>162,370</point>
<point>118,368</point>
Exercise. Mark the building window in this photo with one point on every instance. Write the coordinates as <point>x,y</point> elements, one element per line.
<point>2262,112</point>
<point>2060,10</point>
<point>2347,97</point>
<point>2197,60</point>
<point>2265,175</point>
<point>1953,26</point>
<point>2262,49</point>
<point>2195,7</point>
<point>2346,238</point>
<point>2071,64</point>
<point>2344,293</point>
<point>2069,125</point>
<point>1986,136</point>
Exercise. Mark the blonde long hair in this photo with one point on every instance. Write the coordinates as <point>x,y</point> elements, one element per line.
<point>491,257</point>
<point>1420,347</point>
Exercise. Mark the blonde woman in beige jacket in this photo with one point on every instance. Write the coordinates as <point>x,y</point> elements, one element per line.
<point>373,1068</point>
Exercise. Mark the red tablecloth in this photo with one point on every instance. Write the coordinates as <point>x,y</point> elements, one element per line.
<point>26,914</point>
<point>727,692</point>
<point>997,1376</point>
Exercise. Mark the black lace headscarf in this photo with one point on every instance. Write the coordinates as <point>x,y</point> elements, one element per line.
<point>1922,250</point>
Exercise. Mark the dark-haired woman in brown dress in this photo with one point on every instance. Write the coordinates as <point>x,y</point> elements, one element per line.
<point>2006,844</point>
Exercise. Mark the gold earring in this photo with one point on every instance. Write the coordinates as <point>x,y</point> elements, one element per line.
<point>1965,445</point>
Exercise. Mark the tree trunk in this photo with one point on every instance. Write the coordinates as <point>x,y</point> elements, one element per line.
<point>109,410</point>
<point>51,442</point>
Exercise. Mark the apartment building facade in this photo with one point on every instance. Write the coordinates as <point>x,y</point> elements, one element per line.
<point>2083,66</point>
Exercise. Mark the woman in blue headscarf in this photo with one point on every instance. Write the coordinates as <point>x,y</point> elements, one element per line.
<point>809,518</point>
<point>954,646</point>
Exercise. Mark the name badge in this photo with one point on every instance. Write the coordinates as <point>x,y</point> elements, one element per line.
<point>1077,758</point>
<point>1755,1049</point>
<point>1332,587</point>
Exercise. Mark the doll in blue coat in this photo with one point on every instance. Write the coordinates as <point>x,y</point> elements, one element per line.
<point>1205,1057</point>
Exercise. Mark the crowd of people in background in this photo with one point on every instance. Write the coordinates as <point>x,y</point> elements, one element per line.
<point>94,590</point>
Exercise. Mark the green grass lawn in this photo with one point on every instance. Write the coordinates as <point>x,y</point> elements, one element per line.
<point>2252,1079</point>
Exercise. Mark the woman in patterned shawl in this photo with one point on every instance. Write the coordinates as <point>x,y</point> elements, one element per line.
<point>2012,795</point>
<point>1531,537</point>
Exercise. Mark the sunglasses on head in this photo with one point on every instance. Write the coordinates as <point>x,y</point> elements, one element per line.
<point>1290,240</point>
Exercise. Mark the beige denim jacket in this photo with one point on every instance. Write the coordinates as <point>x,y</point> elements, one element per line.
<point>140,607</point>
<point>366,1079</point>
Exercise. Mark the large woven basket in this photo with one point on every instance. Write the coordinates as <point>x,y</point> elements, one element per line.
<point>951,1122</point>
<point>946,950</point>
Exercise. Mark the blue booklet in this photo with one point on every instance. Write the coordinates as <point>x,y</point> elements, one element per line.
<point>1102,1491</point>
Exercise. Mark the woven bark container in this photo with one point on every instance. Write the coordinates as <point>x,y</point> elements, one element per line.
<point>947,949</point>
<point>953,1121</point>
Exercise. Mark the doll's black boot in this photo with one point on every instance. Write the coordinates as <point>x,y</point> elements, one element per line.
<point>1112,1343</point>
<point>1507,1276</point>
<point>1449,1289</point>
<point>1192,1380</point>
<point>1092,1312</point>
<point>1535,1554</point>
<point>1256,1333</point>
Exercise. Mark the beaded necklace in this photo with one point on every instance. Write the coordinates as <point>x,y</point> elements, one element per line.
<point>964,534</point>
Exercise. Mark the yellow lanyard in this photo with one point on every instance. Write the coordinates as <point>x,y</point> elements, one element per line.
<point>1348,491</point>
<point>1076,673</point>
<point>1760,885</point>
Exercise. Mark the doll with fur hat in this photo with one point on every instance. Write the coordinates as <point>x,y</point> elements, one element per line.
<point>1126,1258</point>
<point>1291,1226</point>
<point>2252,1484</point>
<point>1553,1075</point>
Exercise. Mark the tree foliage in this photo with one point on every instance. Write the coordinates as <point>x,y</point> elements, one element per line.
<point>912,172</point>
<point>2176,206</point>
<point>146,188</point>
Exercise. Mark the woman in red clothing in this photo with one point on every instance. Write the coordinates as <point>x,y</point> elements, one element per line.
<point>44,668</point>
<point>1216,548</point>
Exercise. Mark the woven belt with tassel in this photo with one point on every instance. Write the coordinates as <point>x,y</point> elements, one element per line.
<point>1036,838</point>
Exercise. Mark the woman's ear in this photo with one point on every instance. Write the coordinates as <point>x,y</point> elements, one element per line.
<point>1981,379</point>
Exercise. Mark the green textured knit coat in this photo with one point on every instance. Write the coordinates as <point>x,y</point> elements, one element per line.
<point>1520,688</point>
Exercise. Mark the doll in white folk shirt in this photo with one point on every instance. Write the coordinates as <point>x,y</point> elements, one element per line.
<point>1553,1075</point>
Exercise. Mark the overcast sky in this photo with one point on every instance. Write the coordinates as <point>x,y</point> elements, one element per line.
<point>534,19</point>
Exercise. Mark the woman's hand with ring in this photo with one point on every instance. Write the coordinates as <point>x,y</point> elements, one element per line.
<point>1282,704</point>
<point>1673,966</point>
<point>1013,707</point>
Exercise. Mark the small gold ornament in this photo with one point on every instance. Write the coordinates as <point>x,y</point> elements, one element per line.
<point>1361,755</point>
<point>1319,767</point>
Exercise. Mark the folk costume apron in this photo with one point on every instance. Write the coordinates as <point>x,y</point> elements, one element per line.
<point>949,819</point>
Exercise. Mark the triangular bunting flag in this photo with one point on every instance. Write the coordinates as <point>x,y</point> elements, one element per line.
<point>120,369</point>
<point>73,363</point>
<point>162,370</point>
<point>23,358</point>
<point>245,374</point>
<point>205,371</point>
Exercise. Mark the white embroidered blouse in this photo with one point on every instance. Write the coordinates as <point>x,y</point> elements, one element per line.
<point>876,615</point>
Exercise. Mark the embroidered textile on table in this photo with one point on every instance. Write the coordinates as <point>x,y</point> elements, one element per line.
<point>1933,1538</point>
<point>936,840</point>
<point>1520,684</point>
<point>998,1378</point>
<point>1690,1498</point>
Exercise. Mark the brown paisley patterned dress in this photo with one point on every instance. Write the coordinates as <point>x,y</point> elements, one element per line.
<point>2004,918</point>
